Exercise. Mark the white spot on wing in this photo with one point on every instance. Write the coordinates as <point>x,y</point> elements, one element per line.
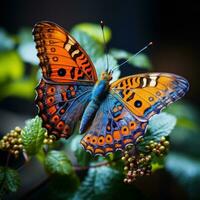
<point>153,81</point>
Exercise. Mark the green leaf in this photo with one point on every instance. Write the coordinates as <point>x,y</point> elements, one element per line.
<point>93,48</point>
<point>28,52</point>
<point>7,43</point>
<point>105,183</point>
<point>101,63</point>
<point>33,135</point>
<point>25,86</point>
<point>160,125</point>
<point>97,183</point>
<point>140,61</point>
<point>12,180</point>
<point>57,162</point>
<point>186,171</point>
<point>11,66</point>
<point>120,54</point>
<point>83,158</point>
<point>26,48</point>
<point>94,31</point>
<point>9,179</point>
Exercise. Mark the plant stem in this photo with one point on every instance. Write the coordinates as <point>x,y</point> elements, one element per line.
<point>7,159</point>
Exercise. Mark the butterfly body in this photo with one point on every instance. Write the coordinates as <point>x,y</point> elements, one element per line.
<point>113,115</point>
<point>99,93</point>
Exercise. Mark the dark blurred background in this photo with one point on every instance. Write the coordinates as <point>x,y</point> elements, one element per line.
<point>173,26</point>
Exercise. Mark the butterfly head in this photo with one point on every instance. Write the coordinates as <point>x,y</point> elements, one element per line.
<point>106,76</point>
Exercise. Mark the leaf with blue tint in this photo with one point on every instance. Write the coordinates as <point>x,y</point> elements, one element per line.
<point>140,61</point>
<point>26,47</point>
<point>93,48</point>
<point>101,64</point>
<point>7,42</point>
<point>94,31</point>
<point>56,162</point>
<point>83,158</point>
<point>9,180</point>
<point>160,125</point>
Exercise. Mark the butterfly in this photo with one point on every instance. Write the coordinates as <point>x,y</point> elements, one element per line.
<point>112,115</point>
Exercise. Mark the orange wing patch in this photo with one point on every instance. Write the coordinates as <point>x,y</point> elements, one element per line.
<point>147,94</point>
<point>61,57</point>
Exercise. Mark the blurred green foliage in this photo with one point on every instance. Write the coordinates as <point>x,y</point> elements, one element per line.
<point>181,121</point>
<point>9,181</point>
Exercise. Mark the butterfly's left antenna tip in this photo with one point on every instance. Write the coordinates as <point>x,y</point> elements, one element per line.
<point>150,43</point>
<point>102,24</point>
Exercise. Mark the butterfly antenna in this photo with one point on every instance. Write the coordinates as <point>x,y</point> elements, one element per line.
<point>105,47</point>
<point>150,43</point>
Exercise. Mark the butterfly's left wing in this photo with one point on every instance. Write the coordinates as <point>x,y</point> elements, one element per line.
<point>124,114</point>
<point>113,128</point>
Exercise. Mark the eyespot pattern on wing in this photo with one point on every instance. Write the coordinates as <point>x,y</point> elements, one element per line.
<point>61,57</point>
<point>113,128</point>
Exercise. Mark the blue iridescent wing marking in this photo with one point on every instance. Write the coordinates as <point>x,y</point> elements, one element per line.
<point>112,129</point>
<point>61,106</point>
<point>124,114</point>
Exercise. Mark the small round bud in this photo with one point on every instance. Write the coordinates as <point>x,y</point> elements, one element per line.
<point>162,148</point>
<point>129,173</point>
<point>166,143</point>
<point>141,155</point>
<point>129,180</point>
<point>16,152</point>
<point>130,159</point>
<point>126,155</point>
<point>50,141</point>
<point>147,147</point>
<point>123,158</point>
<point>20,140</point>
<point>18,129</point>
<point>7,144</point>
<point>5,137</point>
<point>141,173</point>
<point>125,168</point>
<point>45,141</point>
<point>131,164</point>
<point>15,134</point>
<point>154,150</point>
<point>152,145</point>
<point>46,134</point>
<point>162,139</point>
